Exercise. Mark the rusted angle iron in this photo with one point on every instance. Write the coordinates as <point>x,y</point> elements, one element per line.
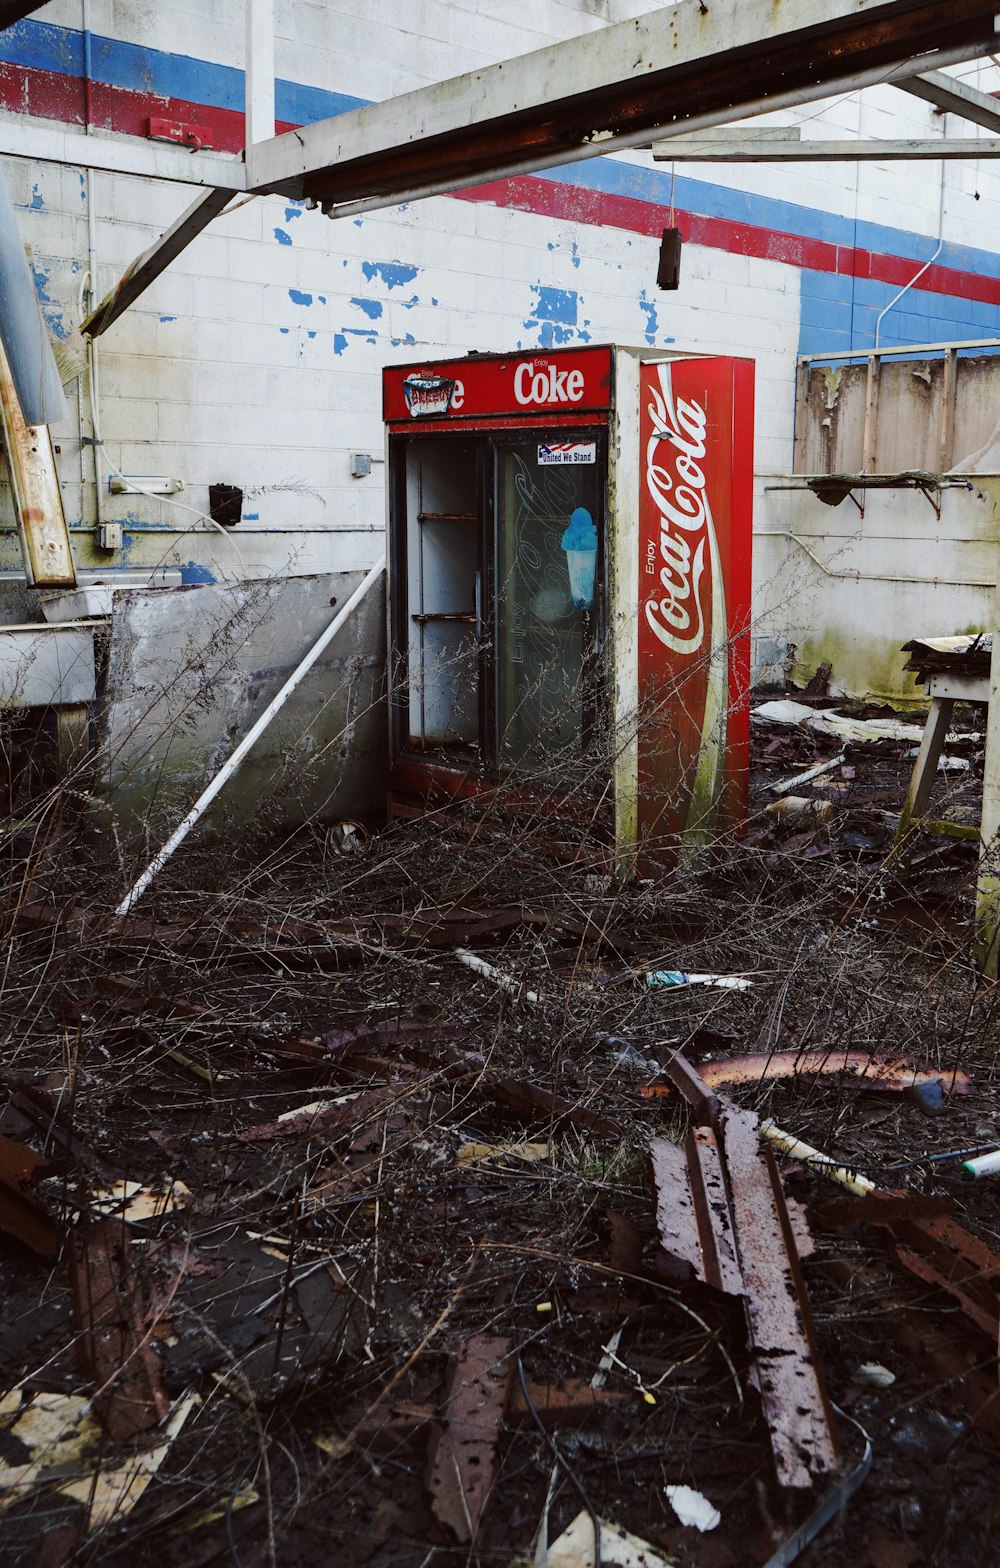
<point>933,1247</point>
<point>723,1213</point>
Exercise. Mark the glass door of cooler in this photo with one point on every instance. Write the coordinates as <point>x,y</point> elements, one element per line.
<point>437,596</point>
<point>497,597</point>
<point>548,597</point>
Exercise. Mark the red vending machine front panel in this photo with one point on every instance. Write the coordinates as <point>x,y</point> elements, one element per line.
<point>695,522</point>
<point>494,389</point>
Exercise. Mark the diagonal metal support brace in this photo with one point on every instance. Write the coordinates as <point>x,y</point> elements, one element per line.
<point>147,268</point>
<point>954,97</point>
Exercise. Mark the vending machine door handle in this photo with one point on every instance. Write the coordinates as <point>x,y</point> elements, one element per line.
<point>479,604</point>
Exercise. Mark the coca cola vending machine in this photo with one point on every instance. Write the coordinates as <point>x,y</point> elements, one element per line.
<point>569,586</point>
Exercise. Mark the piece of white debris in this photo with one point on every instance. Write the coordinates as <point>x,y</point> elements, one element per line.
<point>691,1508</point>
<point>619,1548</point>
<point>872,1375</point>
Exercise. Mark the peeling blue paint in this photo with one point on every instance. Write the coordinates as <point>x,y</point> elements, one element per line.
<point>574,254</point>
<point>83,187</point>
<point>339,343</point>
<point>393,273</point>
<point>555,315</point>
<point>358,224</point>
<point>321,298</point>
<point>284,331</point>
<point>408,304</point>
<point>53,315</point>
<point>406,342</point>
<point>433,300</point>
<point>311,333</point>
<point>292,212</point>
<point>282,238</point>
<point>195,572</point>
<point>371,307</point>
<point>251,517</point>
<point>648,308</point>
<point>297,297</point>
<point>168,318</point>
<point>36,204</point>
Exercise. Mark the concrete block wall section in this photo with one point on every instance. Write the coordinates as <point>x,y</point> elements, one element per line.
<point>256,358</point>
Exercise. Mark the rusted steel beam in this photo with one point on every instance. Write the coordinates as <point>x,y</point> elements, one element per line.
<point>112,1345</point>
<point>693,1087</point>
<point>676,1219</point>
<point>720,1265</point>
<point>692,1211</point>
<point>790,1380</point>
<point>678,68</point>
<point>461,1464</point>
<point>745,1190</point>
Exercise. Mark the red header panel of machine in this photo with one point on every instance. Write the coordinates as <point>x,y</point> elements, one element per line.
<point>563,382</point>
<point>695,536</point>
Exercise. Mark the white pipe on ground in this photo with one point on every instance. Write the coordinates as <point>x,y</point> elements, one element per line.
<point>229,768</point>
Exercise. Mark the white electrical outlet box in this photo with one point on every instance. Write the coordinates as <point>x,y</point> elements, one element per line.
<point>109,536</point>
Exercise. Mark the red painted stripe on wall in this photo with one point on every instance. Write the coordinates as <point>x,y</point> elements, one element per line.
<point>48,95</point>
<point>578,204</point>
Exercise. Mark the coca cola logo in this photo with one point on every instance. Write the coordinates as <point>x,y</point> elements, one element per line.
<point>541,381</point>
<point>675,480</point>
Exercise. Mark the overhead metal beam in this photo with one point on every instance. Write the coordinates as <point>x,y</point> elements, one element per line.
<point>11,12</point>
<point>21,138</point>
<point>147,267</point>
<point>954,97</point>
<point>691,149</point>
<point>676,69</point>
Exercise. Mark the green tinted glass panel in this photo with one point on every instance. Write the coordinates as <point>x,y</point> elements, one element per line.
<point>547,581</point>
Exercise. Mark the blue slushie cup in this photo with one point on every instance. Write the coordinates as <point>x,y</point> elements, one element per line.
<point>580,543</point>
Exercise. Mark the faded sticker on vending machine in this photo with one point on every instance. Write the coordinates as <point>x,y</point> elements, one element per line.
<point>567,452</point>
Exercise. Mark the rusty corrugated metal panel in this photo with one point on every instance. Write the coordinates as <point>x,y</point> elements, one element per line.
<point>462,1458</point>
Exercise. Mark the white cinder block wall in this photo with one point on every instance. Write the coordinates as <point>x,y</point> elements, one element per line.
<point>255,360</point>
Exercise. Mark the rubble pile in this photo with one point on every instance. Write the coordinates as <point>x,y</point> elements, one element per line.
<point>432,1198</point>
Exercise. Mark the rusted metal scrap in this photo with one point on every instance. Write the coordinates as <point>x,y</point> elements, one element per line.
<point>790,1380</point>
<point>462,1456</point>
<point>721,1208</point>
<point>891,1077</point>
<point>692,1211</point>
<point>21,1214</point>
<point>112,1345</point>
<point>932,1246</point>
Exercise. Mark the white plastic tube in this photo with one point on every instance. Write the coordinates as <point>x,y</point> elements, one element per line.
<point>983,1165</point>
<point>229,768</point>
<point>490,972</point>
<point>789,1144</point>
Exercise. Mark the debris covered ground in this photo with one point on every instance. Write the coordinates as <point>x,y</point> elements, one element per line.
<point>319,1238</point>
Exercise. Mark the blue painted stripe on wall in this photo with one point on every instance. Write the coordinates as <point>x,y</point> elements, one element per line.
<point>139,69</point>
<point>839,312</point>
<point>134,67</point>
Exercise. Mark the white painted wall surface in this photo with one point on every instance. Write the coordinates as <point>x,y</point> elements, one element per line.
<point>256,359</point>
